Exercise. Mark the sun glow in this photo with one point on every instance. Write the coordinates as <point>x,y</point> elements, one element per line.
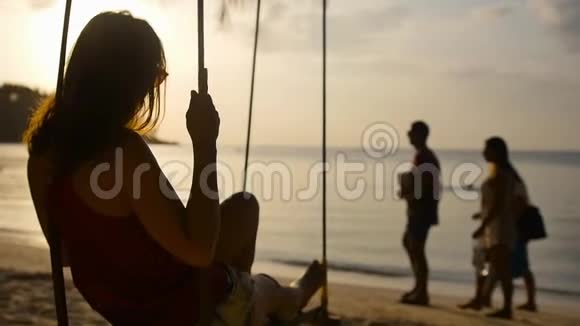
<point>45,29</point>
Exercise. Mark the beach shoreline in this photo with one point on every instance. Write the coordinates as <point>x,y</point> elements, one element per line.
<point>26,294</point>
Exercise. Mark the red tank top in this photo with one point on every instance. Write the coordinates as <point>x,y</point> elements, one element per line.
<point>121,271</point>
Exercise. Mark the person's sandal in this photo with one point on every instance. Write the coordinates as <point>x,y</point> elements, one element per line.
<point>473,304</point>
<point>528,307</point>
<point>407,295</point>
<point>416,301</point>
<point>487,304</point>
<point>502,314</point>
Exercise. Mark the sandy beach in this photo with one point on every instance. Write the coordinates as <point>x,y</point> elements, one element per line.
<point>26,299</point>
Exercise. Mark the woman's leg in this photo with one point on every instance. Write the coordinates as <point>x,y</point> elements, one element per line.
<point>272,301</point>
<point>239,227</point>
<point>501,271</point>
<point>490,281</point>
<point>485,297</point>
<point>479,300</point>
<point>505,278</point>
<point>236,247</point>
<point>529,280</point>
<point>530,283</point>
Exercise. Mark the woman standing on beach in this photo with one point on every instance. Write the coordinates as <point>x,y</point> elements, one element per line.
<point>134,250</point>
<point>503,201</point>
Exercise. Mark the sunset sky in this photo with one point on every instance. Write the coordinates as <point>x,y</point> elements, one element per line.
<point>470,68</point>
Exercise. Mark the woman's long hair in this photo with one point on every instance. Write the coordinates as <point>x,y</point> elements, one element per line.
<point>500,148</point>
<point>111,85</point>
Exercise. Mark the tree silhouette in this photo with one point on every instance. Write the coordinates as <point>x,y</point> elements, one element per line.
<point>16,104</point>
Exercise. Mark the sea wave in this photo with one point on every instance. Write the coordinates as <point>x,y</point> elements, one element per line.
<point>398,272</point>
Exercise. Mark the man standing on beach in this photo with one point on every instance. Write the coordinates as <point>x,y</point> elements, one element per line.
<point>420,188</point>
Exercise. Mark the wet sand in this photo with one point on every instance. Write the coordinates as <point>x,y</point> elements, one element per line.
<point>26,299</point>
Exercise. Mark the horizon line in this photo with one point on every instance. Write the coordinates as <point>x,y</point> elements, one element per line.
<point>353,147</point>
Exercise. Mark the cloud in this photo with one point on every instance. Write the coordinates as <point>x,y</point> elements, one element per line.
<point>296,26</point>
<point>492,12</point>
<point>40,4</point>
<point>26,4</point>
<point>369,23</point>
<point>43,4</point>
<point>562,17</point>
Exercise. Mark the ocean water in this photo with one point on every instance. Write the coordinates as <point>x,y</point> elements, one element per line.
<point>365,220</point>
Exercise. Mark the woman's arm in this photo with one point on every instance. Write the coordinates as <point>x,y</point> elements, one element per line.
<point>189,233</point>
<point>496,203</point>
<point>39,178</point>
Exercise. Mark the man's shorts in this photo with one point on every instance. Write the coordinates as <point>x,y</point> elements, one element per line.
<point>418,229</point>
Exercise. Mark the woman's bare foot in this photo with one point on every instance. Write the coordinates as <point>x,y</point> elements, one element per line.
<point>310,282</point>
<point>295,297</point>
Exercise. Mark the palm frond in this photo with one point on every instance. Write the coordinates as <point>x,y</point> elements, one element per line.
<point>225,8</point>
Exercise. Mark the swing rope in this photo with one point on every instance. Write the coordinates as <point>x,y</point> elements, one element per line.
<point>324,296</point>
<point>53,230</point>
<point>205,293</point>
<point>202,71</point>
<point>252,83</point>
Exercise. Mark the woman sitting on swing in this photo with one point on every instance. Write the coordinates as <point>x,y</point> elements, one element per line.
<point>135,252</point>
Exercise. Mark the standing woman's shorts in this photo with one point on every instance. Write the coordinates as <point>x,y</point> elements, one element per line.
<point>520,260</point>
